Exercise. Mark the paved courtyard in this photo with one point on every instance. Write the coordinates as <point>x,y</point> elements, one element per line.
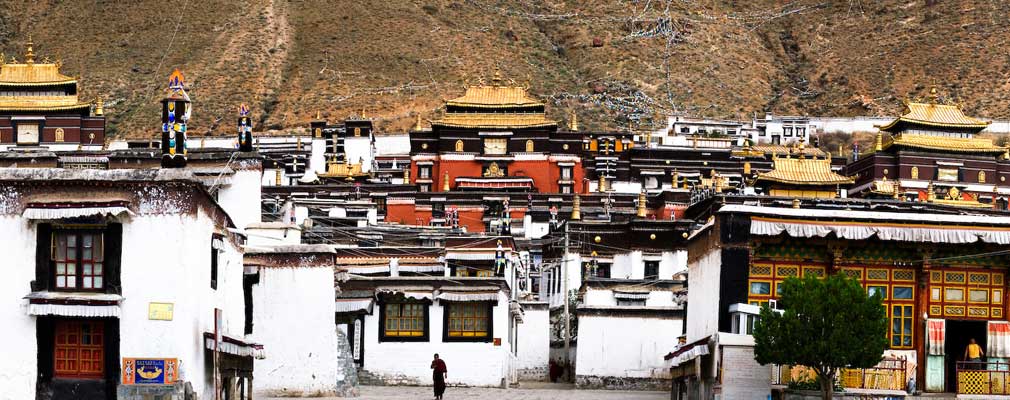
<point>547,392</point>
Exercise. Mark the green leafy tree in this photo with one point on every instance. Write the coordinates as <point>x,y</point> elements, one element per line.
<point>827,324</point>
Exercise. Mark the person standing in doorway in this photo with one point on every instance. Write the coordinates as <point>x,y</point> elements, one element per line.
<point>438,374</point>
<point>973,354</point>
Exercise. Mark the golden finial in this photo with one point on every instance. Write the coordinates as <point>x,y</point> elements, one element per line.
<point>573,125</point>
<point>406,175</point>
<point>603,184</point>
<point>934,95</point>
<point>298,145</point>
<point>445,182</point>
<point>641,203</point>
<point>879,142</point>
<point>47,60</point>
<point>59,63</point>
<point>319,115</point>
<point>930,193</point>
<point>362,112</point>
<point>675,179</point>
<point>496,79</point>
<point>99,106</point>
<point>796,203</point>
<point>417,123</point>
<point>897,188</point>
<point>30,54</point>
<point>576,210</point>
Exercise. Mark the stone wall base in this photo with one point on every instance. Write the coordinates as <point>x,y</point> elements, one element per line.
<point>177,391</point>
<point>538,374</point>
<point>621,383</point>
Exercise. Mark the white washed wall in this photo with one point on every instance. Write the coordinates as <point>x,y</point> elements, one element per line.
<point>293,318</point>
<point>241,198</point>
<point>474,364</point>
<point>534,343</point>
<point>154,270</point>
<point>19,362</point>
<point>359,148</point>
<point>703,296</point>
<point>625,346</point>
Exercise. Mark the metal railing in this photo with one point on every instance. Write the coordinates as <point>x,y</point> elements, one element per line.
<point>983,377</point>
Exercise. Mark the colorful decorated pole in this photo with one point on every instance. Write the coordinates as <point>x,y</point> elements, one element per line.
<point>245,139</point>
<point>175,110</point>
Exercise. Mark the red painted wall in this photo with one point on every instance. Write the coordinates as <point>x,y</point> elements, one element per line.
<point>401,213</point>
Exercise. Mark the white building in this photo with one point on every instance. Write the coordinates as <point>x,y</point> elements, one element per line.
<point>403,305</point>
<point>781,129</point>
<point>108,266</point>
<point>292,290</point>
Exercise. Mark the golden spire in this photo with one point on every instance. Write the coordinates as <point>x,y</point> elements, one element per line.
<point>573,124</point>
<point>675,181</point>
<point>30,54</point>
<point>934,95</point>
<point>319,115</point>
<point>879,143</point>
<point>99,110</point>
<point>298,145</point>
<point>445,182</point>
<point>897,189</point>
<point>746,167</point>
<point>641,203</point>
<point>362,112</point>
<point>930,194</point>
<point>417,123</point>
<point>406,175</point>
<point>496,80</point>
<point>603,184</point>
<point>277,177</point>
<point>576,211</point>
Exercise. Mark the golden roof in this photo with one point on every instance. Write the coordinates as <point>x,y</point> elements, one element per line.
<point>977,145</point>
<point>495,96</point>
<point>33,75</point>
<point>804,171</point>
<point>494,120</point>
<point>781,150</point>
<point>938,115</point>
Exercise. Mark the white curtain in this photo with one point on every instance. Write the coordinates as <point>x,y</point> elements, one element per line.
<point>998,342</point>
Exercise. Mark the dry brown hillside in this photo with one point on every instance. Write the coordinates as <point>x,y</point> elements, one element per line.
<point>618,63</point>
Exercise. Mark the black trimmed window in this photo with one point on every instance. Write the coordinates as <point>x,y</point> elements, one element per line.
<point>468,321</point>
<point>216,244</point>
<point>652,270</point>
<point>78,258</point>
<point>403,321</point>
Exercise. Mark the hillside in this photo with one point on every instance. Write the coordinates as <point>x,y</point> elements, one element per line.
<point>618,63</point>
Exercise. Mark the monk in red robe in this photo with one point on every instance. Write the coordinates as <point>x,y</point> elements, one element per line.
<point>438,375</point>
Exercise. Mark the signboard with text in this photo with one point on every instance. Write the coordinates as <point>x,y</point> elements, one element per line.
<point>150,371</point>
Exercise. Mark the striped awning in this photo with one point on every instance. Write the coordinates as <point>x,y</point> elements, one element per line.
<point>478,293</point>
<point>354,305</point>
<point>73,310</point>
<point>234,346</point>
<point>413,292</point>
<point>631,295</point>
<point>62,210</point>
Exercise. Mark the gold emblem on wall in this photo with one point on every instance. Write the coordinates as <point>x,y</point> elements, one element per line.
<point>915,172</point>
<point>529,146</point>
<point>60,136</point>
<point>318,132</point>
<point>493,171</point>
<point>981,176</point>
<point>357,132</point>
<point>459,145</point>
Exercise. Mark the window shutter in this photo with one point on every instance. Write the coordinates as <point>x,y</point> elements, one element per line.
<point>113,256</point>
<point>42,257</point>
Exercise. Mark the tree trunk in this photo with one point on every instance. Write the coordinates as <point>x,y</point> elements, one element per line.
<point>827,382</point>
